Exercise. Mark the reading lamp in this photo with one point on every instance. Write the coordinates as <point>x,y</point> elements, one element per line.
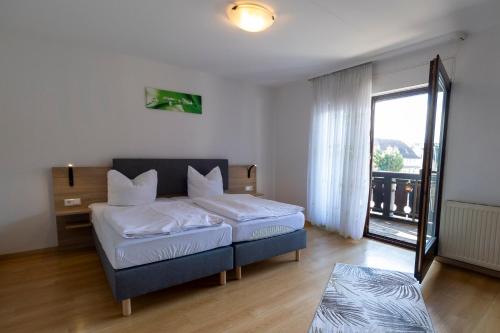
<point>70,175</point>
<point>249,169</point>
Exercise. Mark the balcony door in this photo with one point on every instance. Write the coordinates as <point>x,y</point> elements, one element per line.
<point>398,136</point>
<point>439,89</point>
<point>408,135</point>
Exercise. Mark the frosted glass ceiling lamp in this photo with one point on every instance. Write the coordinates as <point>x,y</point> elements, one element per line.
<point>250,17</point>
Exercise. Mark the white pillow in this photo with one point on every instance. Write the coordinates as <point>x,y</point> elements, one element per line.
<point>204,186</point>
<point>125,192</point>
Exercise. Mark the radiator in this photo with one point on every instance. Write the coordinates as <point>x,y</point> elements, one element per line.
<point>470,233</point>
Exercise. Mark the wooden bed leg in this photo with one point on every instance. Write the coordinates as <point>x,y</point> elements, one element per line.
<point>126,307</point>
<point>222,278</point>
<point>297,255</point>
<point>238,272</point>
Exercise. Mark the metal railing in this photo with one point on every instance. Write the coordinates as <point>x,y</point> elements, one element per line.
<point>395,195</point>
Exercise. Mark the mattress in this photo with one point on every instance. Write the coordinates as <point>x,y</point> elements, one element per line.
<point>261,228</point>
<point>128,252</point>
<point>264,228</point>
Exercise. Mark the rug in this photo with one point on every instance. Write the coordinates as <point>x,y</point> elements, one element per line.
<point>364,299</point>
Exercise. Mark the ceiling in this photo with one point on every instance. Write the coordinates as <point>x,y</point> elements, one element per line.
<point>309,36</point>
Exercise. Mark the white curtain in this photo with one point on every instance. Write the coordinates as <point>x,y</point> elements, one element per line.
<point>339,151</point>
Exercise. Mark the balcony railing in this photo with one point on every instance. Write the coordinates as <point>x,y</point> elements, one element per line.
<point>395,195</point>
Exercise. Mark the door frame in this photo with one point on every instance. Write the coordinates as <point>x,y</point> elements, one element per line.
<point>382,97</point>
<point>425,253</point>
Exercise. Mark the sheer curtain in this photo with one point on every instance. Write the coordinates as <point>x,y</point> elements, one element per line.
<point>339,151</point>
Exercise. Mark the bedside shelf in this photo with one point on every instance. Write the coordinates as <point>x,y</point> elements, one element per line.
<point>74,229</point>
<point>73,211</point>
<point>78,225</point>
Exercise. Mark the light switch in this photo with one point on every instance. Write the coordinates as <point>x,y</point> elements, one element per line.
<point>72,202</point>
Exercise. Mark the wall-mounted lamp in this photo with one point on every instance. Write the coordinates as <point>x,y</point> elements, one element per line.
<point>70,175</point>
<point>249,169</point>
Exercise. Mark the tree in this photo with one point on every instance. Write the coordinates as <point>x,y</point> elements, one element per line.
<point>388,160</point>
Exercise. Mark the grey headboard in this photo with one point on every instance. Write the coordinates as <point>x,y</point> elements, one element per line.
<point>172,173</point>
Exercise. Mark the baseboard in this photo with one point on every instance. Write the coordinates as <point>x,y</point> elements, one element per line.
<point>475,268</point>
<point>28,253</point>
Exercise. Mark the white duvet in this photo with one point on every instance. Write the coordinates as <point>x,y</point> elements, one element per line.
<point>245,207</point>
<point>158,218</point>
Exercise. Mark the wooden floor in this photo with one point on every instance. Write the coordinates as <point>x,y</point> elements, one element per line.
<point>67,292</point>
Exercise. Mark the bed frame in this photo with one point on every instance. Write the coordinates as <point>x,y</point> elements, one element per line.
<point>252,251</point>
<point>139,280</point>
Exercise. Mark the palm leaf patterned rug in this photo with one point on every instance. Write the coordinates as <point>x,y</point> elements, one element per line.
<point>364,299</point>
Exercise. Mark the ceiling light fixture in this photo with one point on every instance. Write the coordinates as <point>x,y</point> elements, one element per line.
<point>250,17</point>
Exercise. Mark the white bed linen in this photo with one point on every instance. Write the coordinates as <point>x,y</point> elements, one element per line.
<point>123,191</point>
<point>125,252</point>
<point>261,228</point>
<point>245,207</point>
<point>264,228</point>
<point>158,218</point>
<point>202,186</point>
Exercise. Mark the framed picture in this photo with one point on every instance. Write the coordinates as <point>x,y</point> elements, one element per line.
<point>172,101</point>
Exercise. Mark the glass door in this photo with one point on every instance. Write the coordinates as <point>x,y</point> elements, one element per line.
<point>397,142</point>
<point>432,169</point>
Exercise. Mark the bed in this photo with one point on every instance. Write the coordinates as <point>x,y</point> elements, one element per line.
<point>128,252</point>
<point>260,239</point>
<point>135,267</point>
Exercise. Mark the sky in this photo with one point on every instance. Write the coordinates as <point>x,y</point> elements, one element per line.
<point>401,119</point>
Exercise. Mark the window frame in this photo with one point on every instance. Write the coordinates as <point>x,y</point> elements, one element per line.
<point>420,90</point>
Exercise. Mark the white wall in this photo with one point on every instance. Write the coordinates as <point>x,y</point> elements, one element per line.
<point>60,104</point>
<point>291,106</point>
<point>473,152</point>
<point>411,69</point>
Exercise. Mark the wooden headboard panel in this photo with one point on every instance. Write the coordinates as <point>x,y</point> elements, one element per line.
<point>90,185</point>
<point>238,179</point>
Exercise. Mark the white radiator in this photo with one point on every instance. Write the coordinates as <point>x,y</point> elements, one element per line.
<point>470,233</point>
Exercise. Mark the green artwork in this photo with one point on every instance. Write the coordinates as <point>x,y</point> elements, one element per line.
<point>172,101</point>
